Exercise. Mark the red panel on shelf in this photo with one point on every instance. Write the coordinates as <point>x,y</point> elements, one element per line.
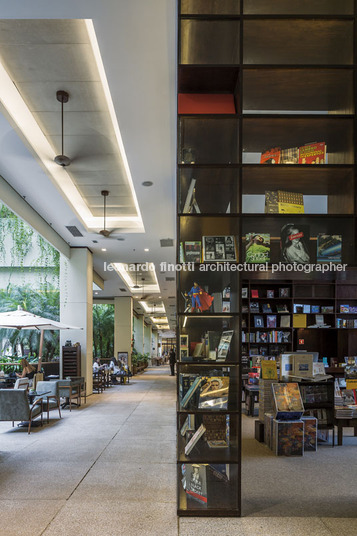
<point>202,103</point>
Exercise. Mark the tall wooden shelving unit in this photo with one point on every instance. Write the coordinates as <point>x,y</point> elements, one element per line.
<point>290,67</point>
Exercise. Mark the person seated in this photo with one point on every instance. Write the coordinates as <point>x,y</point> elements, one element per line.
<point>118,371</point>
<point>97,366</point>
<point>28,371</point>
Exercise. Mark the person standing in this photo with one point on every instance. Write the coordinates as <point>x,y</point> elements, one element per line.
<point>172,359</point>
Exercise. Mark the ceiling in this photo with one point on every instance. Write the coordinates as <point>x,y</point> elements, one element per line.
<point>137,44</point>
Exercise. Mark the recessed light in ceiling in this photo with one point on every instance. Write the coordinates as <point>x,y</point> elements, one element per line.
<point>146,249</point>
<point>96,293</point>
<point>104,249</point>
<point>147,183</point>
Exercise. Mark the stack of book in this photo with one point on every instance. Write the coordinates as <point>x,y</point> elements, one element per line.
<point>266,403</point>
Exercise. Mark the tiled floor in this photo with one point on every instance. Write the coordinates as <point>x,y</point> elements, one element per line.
<point>109,468</point>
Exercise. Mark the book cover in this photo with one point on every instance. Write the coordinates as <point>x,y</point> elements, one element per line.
<point>306,309</point>
<point>194,439</point>
<point>226,307</point>
<point>191,391</point>
<point>282,308</point>
<point>257,248</point>
<point>313,153</point>
<point>329,248</point>
<point>220,471</point>
<point>344,308</point>
<point>224,345</point>
<point>303,365</point>
<point>196,482</point>
<point>226,294</point>
<point>272,156</point>
<point>284,292</point>
<point>244,292</point>
<point>290,202</point>
<point>254,293</point>
<point>299,321</point>
<point>271,202</point>
<point>254,307</point>
<point>287,401</point>
<point>214,393</point>
<point>216,430</point>
<point>266,308</point>
<point>290,156</point>
<point>193,251</point>
<point>271,321</point>
<point>219,249</point>
<point>294,243</point>
<point>315,309</point>
<point>286,366</point>
<point>270,293</point>
<point>269,370</point>
<point>298,308</point>
<point>325,309</point>
<point>258,321</point>
<point>288,438</point>
<point>310,433</point>
<point>186,380</point>
<point>285,321</point>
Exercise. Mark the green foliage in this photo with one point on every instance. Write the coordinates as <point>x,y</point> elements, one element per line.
<point>43,302</point>
<point>103,330</point>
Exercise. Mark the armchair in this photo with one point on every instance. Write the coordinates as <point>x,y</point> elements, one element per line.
<point>14,406</point>
<point>52,399</point>
<point>70,392</point>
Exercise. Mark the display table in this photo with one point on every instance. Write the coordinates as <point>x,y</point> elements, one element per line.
<point>344,423</point>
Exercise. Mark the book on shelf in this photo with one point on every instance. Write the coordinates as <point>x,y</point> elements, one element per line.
<point>269,370</point>
<point>287,401</point>
<point>194,481</point>
<point>284,292</point>
<point>191,204</point>
<point>191,391</point>
<point>257,248</point>
<point>270,293</point>
<point>194,439</point>
<point>314,394</point>
<point>220,471</point>
<point>313,153</point>
<point>219,249</point>
<point>329,248</point>
<point>224,345</point>
<point>306,309</point>
<point>258,321</point>
<point>285,321</point>
<point>283,202</point>
<point>212,339</point>
<point>303,365</point>
<point>254,307</point>
<point>271,202</point>
<point>244,292</point>
<point>266,308</point>
<point>344,308</point>
<point>290,156</point>
<point>286,366</point>
<point>274,336</point>
<point>198,351</point>
<point>217,302</point>
<point>186,380</point>
<point>282,308</point>
<point>325,309</point>
<point>298,308</point>
<point>271,156</point>
<point>217,430</point>
<point>294,243</point>
<point>193,251</point>
<point>299,320</point>
<point>315,309</point>
<point>226,306</point>
<point>254,293</point>
<point>188,425</point>
<point>271,321</point>
<point>226,293</point>
<point>214,393</point>
<point>319,319</point>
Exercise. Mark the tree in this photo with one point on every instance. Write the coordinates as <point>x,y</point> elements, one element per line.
<point>103,330</point>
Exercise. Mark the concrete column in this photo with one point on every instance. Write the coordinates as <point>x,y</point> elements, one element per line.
<point>147,339</point>
<point>123,326</point>
<point>153,351</point>
<point>139,334</point>
<point>76,307</point>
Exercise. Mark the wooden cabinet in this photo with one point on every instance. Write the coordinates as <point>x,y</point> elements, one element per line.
<point>71,361</point>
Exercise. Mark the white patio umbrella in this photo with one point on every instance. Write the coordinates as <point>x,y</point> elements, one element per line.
<point>21,319</point>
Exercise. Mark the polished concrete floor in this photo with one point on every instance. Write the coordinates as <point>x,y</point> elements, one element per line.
<point>108,468</point>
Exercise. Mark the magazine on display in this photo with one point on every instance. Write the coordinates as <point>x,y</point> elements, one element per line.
<point>224,345</point>
<point>257,247</point>
<point>194,481</point>
<point>214,393</point>
<point>313,153</point>
<point>287,401</point>
<point>329,248</point>
<point>193,251</point>
<point>294,243</point>
<point>219,249</point>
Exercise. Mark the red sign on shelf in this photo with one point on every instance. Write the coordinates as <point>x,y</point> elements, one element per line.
<point>301,341</point>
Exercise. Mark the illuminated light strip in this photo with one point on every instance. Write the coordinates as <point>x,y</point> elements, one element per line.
<point>148,309</point>
<point>125,274</point>
<point>16,109</point>
<point>162,320</point>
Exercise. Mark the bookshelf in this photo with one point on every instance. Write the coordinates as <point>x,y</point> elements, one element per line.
<point>303,54</point>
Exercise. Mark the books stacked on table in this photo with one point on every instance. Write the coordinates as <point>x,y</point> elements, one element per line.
<point>346,412</point>
<point>266,404</point>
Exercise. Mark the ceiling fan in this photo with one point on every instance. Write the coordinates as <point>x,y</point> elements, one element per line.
<point>105,232</point>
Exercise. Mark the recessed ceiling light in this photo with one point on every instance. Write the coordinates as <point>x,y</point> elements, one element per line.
<point>146,249</point>
<point>96,293</point>
<point>104,249</point>
<point>147,183</point>
<point>159,296</point>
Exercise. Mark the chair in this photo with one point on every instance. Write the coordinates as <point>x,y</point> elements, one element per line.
<point>22,383</point>
<point>66,390</point>
<point>14,406</point>
<point>38,377</point>
<point>98,381</point>
<point>52,399</point>
<point>83,386</point>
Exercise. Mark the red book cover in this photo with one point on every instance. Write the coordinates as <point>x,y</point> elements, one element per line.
<point>255,294</point>
<point>202,103</point>
<point>272,156</point>
<point>313,153</point>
